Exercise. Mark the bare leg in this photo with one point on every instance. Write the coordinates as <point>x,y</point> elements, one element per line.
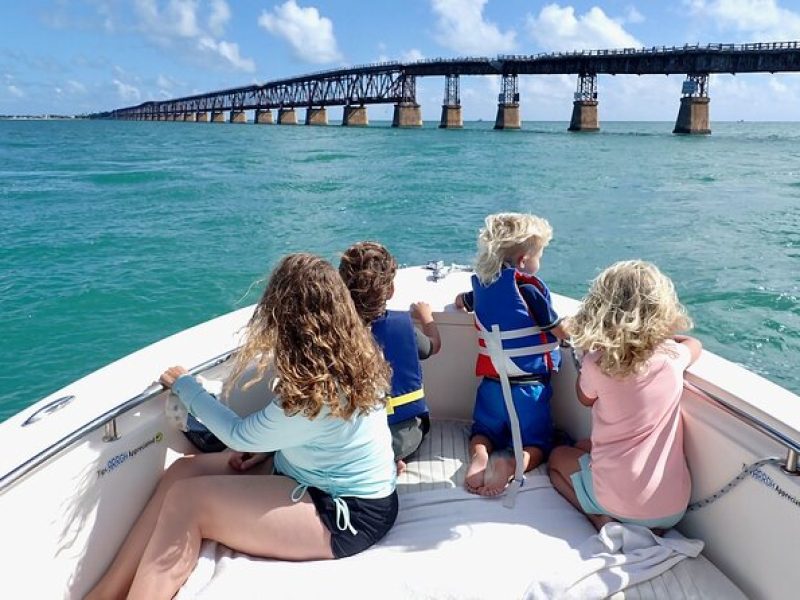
<point>585,445</point>
<point>118,577</point>
<point>502,469</point>
<point>563,463</point>
<point>255,515</point>
<point>479,449</point>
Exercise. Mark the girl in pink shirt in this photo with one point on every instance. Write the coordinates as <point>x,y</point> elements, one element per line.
<point>633,470</point>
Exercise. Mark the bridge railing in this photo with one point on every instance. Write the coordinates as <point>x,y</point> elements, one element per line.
<point>751,47</point>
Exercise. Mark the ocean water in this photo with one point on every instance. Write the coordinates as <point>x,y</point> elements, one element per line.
<point>116,234</point>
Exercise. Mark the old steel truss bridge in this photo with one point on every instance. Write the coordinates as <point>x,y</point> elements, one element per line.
<point>395,83</point>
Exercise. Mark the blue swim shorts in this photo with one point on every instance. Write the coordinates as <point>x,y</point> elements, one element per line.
<point>584,489</point>
<point>532,403</point>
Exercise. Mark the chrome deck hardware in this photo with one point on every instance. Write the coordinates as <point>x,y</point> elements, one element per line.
<point>440,270</point>
<point>48,409</point>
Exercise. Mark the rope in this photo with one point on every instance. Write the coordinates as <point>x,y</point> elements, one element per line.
<point>752,470</point>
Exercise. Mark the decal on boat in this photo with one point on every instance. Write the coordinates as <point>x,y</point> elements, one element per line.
<point>116,461</point>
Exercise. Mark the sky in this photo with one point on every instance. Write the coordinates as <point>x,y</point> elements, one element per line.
<point>83,56</point>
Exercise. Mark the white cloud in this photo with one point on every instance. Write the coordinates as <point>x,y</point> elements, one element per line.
<point>127,92</point>
<point>229,51</point>
<point>220,15</point>
<point>75,87</point>
<point>412,55</point>
<point>559,28</point>
<point>163,82</point>
<point>15,91</point>
<point>178,22</point>
<point>309,34</point>
<point>461,27</point>
<point>632,15</point>
<point>760,20</point>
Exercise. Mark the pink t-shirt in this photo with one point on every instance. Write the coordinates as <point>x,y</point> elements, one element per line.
<point>638,467</point>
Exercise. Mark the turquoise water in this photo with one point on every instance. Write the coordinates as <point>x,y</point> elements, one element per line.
<point>116,234</point>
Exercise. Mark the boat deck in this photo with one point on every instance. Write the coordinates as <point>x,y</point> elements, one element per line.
<point>448,544</point>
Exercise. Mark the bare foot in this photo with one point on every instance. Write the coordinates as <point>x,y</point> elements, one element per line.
<point>476,472</point>
<point>498,475</point>
<point>401,466</point>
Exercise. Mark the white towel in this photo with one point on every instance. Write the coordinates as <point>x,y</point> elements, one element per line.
<point>619,556</point>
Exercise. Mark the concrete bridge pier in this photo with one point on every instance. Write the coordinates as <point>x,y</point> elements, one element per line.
<point>407,114</point>
<point>238,116</point>
<point>190,116</point>
<point>263,116</point>
<point>201,116</point>
<point>584,107</point>
<point>287,116</point>
<point>451,105</point>
<point>316,116</point>
<point>508,104</point>
<point>693,113</point>
<point>355,116</point>
<point>217,116</point>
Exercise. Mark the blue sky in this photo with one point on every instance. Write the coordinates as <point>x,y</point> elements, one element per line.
<point>75,56</point>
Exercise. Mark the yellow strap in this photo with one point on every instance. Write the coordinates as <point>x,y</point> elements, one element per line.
<point>403,399</point>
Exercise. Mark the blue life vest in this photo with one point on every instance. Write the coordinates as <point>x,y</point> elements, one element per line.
<point>526,348</point>
<point>394,332</point>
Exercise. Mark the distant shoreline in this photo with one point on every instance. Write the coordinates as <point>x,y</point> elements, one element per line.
<point>38,117</point>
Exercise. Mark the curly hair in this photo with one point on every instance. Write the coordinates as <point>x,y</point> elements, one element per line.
<point>504,237</point>
<point>630,310</point>
<point>368,270</point>
<point>306,327</point>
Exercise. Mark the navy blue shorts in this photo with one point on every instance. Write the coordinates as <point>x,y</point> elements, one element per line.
<point>372,518</point>
<point>532,402</point>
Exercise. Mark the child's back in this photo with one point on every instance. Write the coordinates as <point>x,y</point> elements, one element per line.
<point>368,270</point>
<point>638,466</point>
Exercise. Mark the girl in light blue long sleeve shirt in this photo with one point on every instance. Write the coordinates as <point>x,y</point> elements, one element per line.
<point>332,490</point>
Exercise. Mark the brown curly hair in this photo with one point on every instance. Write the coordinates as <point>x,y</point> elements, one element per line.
<point>368,270</point>
<point>306,327</point>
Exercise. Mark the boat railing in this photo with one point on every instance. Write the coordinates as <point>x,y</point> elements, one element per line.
<point>107,420</point>
<point>791,464</point>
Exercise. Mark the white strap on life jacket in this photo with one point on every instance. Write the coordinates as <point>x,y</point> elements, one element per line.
<point>494,345</point>
<point>526,351</point>
<point>513,334</point>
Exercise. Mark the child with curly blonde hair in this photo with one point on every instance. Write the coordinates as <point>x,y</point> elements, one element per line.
<point>506,293</point>
<point>329,491</point>
<point>634,469</point>
<point>368,270</point>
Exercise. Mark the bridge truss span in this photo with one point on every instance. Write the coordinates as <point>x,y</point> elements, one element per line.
<point>395,82</point>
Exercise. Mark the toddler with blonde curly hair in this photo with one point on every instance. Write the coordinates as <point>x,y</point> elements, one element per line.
<point>633,470</point>
<point>507,294</point>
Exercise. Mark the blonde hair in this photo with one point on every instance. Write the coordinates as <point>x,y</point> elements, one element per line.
<point>630,310</point>
<point>504,237</point>
<point>368,271</point>
<point>306,327</point>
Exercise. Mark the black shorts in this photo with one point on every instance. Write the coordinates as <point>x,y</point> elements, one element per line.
<point>372,518</point>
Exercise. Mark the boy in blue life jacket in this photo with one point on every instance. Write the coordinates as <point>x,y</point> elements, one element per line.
<point>507,293</point>
<point>368,270</point>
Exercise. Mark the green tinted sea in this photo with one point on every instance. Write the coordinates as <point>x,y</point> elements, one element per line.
<point>116,234</point>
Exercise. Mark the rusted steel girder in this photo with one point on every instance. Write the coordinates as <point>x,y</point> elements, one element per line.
<point>328,90</point>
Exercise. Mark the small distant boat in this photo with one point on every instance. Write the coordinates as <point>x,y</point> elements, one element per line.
<point>77,467</point>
